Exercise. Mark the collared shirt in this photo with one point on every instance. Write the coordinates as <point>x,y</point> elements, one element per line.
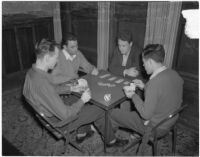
<point>125,59</point>
<point>68,56</point>
<point>157,71</point>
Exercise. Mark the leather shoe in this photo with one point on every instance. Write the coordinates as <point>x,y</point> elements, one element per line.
<point>118,143</point>
<point>88,135</point>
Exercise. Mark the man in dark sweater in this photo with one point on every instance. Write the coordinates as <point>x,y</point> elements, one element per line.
<point>163,94</point>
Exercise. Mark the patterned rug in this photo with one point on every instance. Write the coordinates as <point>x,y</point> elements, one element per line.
<point>25,133</point>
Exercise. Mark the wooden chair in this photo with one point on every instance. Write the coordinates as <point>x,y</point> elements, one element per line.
<point>58,128</point>
<point>152,135</point>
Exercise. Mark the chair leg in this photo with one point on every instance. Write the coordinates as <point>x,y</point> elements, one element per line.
<point>174,134</point>
<point>76,146</point>
<point>155,143</point>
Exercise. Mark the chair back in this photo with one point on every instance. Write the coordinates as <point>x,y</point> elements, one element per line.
<point>153,130</point>
<point>169,117</point>
<point>52,124</point>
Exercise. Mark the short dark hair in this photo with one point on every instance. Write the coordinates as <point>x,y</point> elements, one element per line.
<point>155,52</point>
<point>125,35</point>
<point>44,47</point>
<point>69,37</point>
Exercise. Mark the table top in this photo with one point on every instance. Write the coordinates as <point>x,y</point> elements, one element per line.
<point>98,87</point>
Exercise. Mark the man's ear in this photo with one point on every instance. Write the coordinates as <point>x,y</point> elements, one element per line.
<point>151,61</point>
<point>131,43</point>
<point>46,58</point>
<point>65,47</point>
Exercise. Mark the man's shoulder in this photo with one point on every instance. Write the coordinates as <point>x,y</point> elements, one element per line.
<point>166,77</point>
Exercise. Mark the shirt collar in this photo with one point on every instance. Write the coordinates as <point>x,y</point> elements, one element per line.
<point>126,55</point>
<point>42,73</point>
<point>157,71</point>
<point>68,56</point>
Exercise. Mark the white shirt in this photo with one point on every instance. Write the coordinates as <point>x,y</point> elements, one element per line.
<point>158,71</point>
<point>68,56</point>
<point>125,59</point>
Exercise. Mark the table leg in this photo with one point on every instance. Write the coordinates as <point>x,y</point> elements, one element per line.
<point>105,131</point>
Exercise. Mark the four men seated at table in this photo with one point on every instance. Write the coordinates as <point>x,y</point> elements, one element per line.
<point>163,91</point>
<point>41,91</point>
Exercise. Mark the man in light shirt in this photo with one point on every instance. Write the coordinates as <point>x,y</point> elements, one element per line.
<point>163,94</point>
<point>70,60</point>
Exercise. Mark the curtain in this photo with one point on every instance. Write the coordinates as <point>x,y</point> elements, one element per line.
<point>103,34</point>
<point>162,26</point>
<point>57,22</point>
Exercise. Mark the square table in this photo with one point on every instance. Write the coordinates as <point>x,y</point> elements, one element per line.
<point>98,92</point>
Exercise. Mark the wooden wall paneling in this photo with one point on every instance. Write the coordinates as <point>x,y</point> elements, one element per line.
<point>18,48</point>
<point>25,38</point>
<point>44,29</point>
<point>9,51</point>
<point>65,14</point>
<point>84,26</point>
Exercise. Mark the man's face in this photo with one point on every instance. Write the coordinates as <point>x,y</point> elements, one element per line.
<point>71,47</point>
<point>52,59</point>
<point>124,46</point>
<point>147,63</point>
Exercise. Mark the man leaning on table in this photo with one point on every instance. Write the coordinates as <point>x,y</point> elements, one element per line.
<point>41,91</point>
<point>125,59</point>
<point>163,94</point>
<point>70,60</point>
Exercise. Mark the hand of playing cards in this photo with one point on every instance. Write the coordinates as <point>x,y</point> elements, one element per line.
<point>129,90</point>
<point>81,86</point>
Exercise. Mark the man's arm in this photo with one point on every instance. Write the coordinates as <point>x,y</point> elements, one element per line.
<point>88,68</point>
<point>146,108</point>
<point>48,95</point>
<point>115,66</point>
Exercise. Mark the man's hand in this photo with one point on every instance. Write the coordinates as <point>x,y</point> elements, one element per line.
<point>95,71</point>
<point>86,96</point>
<point>75,88</point>
<point>139,83</point>
<point>129,94</point>
<point>131,72</point>
<point>129,91</point>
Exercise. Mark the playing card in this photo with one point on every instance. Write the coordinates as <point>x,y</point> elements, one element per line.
<point>112,78</point>
<point>104,76</point>
<point>126,82</point>
<point>119,81</point>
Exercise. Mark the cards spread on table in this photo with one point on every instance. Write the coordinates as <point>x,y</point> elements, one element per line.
<point>112,78</point>
<point>126,82</point>
<point>104,76</point>
<point>119,81</point>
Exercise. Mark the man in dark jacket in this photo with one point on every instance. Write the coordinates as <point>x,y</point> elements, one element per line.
<point>125,59</point>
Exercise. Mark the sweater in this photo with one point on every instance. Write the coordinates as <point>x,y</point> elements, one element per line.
<point>163,95</point>
<point>67,70</point>
<point>39,89</point>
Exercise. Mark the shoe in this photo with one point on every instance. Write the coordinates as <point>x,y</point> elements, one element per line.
<point>88,135</point>
<point>135,136</point>
<point>118,143</point>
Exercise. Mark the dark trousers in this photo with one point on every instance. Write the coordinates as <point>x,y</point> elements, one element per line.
<point>127,119</point>
<point>89,114</point>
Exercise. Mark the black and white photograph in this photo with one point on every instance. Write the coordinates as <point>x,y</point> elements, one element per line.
<point>100,78</point>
